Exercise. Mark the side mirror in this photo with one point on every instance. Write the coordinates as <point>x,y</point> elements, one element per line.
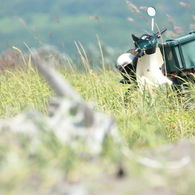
<point>151,11</point>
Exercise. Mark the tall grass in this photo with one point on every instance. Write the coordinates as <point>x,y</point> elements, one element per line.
<point>22,90</point>
<point>144,119</point>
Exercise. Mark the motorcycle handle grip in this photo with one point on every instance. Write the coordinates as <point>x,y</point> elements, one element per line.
<point>162,31</point>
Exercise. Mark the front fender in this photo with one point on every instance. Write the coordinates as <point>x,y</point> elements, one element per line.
<point>148,70</point>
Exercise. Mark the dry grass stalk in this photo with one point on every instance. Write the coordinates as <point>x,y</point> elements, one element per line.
<point>57,19</point>
<point>144,7</point>
<point>130,19</point>
<point>83,57</point>
<point>133,8</point>
<point>185,4</point>
<point>94,17</point>
<point>11,59</point>
<point>101,52</point>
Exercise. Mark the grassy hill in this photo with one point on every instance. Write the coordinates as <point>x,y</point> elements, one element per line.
<point>60,23</point>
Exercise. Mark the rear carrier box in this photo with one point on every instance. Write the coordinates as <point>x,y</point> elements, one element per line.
<point>179,53</point>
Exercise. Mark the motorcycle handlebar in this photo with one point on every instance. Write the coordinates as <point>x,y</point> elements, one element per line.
<point>162,31</point>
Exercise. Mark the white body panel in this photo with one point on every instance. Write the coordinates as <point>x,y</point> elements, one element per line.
<point>148,72</point>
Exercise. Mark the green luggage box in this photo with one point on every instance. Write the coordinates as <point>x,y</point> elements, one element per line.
<point>179,53</point>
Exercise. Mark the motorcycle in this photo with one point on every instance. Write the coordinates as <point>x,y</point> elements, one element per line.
<point>152,64</point>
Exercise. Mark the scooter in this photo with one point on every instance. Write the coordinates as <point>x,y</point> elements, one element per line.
<point>152,64</point>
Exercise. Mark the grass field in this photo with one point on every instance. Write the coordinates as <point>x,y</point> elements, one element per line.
<point>141,117</point>
<point>144,120</point>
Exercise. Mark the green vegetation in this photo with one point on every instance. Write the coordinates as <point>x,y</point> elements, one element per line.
<point>20,91</point>
<point>144,120</point>
<point>60,23</point>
